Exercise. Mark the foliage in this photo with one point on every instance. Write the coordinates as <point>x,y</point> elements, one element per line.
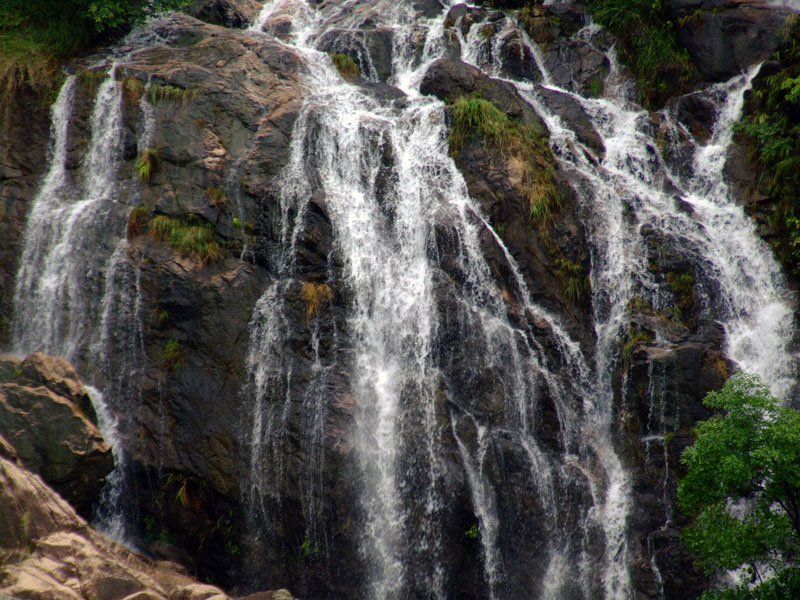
<point>683,285</point>
<point>472,533</point>
<point>188,236</point>
<point>345,65</point>
<point>134,89</point>
<point>473,115</point>
<point>62,27</point>
<point>314,294</point>
<point>635,337</point>
<point>217,197</point>
<point>91,80</point>
<point>169,93</point>
<point>139,217</point>
<point>772,130</point>
<point>577,285</point>
<point>173,356</point>
<point>647,45</point>
<point>743,489</point>
<point>25,65</point>
<point>146,164</point>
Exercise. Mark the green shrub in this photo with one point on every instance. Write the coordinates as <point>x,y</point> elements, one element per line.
<point>139,217</point>
<point>170,93</point>
<point>314,294</point>
<point>771,130</point>
<point>173,356</point>
<point>134,89</point>
<point>346,66</point>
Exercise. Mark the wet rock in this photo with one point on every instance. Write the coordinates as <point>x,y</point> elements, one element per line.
<point>451,79</point>
<point>576,66</point>
<point>573,115</point>
<point>725,37</point>
<point>59,376</point>
<point>42,420</point>
<point>23,159</point>
<point>370,49</point>
<point>696,112</point>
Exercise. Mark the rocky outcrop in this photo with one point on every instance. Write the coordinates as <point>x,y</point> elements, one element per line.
<point>725,37</point>
<point>49,552</point>
<point>227,13</point>
<point>21,166</point>
<point>47,417</point>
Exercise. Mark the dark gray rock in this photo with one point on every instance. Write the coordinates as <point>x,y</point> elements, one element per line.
<point>227,13</point>
<point>451,79</point>
<point>725,37</point>
<point>573,115</point>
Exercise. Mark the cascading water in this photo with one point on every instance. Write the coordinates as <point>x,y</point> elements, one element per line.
<point>73,269</point>
<point>386,236</point>
<point>475,419</point>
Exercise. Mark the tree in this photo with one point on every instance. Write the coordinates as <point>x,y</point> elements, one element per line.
<point>743,488</point>
<point>65,25</point>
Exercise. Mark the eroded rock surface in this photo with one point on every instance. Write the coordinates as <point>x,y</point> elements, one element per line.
<point>47,417</point>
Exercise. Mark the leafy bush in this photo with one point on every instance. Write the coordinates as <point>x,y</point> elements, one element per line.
<point>473,115</point>
<point>173,356</point>
<point>743,489</point>
<point>314,294</point>
<point>137,220</point>
<point>647,45</point>
<point>170,93</point>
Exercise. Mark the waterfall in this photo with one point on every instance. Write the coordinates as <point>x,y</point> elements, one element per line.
<point>395,317</point>
<point>75,295</point>
<point>463,412</point>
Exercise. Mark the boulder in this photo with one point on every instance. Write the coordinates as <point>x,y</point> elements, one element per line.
<point>48,552</point>
<point>42,419</point>
<point>574,117</point>
<point>725,37</point>
<point>450,79</point>
<point>227,13</point>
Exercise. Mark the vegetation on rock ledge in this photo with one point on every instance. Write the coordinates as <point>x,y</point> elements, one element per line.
<point>473,115</point>
<point>647,45</point>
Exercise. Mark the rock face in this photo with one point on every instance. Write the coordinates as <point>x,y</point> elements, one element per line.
<point>211,112</point>
<point>724,37</point>
<point>47,417</point>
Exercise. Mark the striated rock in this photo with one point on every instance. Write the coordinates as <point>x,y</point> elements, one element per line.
<point>724,37</point>
<point>57,375</point>
<point>21,165</point>
<point>42,419</point>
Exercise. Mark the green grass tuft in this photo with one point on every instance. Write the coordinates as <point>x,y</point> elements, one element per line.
<point>473,115</point>
<point>188,236</point>
<point>170,93</point>
<point>146,164</point>
<point>346,66</point>
<point>647,44</point>
<point>172,357</point>
<point>137,220</point>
